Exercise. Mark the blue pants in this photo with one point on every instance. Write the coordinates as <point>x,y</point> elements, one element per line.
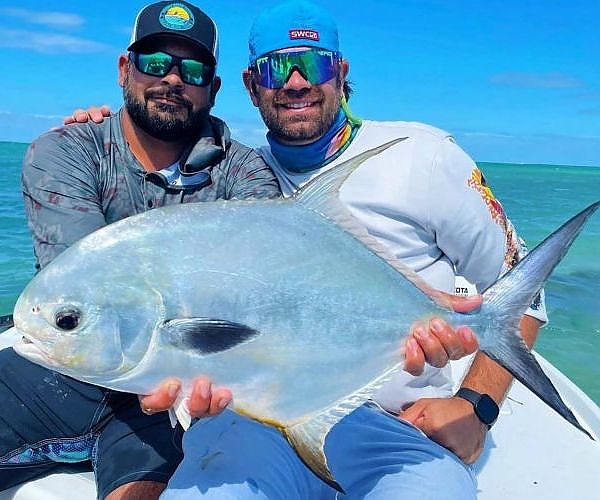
<point>51,423</point>
<point>371,453</point>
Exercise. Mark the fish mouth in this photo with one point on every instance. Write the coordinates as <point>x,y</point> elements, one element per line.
<point>33,350</point>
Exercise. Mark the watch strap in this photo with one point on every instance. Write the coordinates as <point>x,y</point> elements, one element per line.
<point>469,394</point>
<point>487,417</point>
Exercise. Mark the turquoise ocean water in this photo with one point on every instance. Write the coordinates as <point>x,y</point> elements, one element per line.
<point>538,198</point>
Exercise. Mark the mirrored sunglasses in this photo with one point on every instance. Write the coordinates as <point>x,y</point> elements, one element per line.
<point>317,66</point>
<point>192,71</point>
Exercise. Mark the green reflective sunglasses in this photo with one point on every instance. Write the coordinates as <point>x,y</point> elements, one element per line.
<point>192,71</point>
<point>315,65</point>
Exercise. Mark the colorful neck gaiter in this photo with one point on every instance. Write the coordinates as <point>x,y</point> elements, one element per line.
<point>319,153</point>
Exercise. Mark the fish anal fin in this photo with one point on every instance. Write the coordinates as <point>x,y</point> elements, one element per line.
<point>205,335</point>
<point>308,440</point>
<point>307,437</point>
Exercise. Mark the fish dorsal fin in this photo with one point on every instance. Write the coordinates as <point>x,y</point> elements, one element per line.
<point>308,436</point>
<point>321,195</point>
<point>205,335</point>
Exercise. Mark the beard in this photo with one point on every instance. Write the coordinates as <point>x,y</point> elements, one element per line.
<point>165,122</point>
<point>303,129</point>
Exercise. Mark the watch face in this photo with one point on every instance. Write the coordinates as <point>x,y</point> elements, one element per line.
<point>486,409</point>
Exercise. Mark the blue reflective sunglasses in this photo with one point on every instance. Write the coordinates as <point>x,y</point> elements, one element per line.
<point>317,66</point>
<point>192,71</point>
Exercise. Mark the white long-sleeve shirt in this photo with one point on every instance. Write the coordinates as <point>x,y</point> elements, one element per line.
<point>427,202</point>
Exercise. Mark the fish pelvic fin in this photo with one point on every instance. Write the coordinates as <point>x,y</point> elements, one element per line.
<point>508,299</point>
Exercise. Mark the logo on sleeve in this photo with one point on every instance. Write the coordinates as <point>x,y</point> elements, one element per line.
<point>478,183</point>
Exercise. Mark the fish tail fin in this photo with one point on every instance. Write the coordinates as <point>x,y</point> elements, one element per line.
<point>308,440</point>
<point>510,297</point>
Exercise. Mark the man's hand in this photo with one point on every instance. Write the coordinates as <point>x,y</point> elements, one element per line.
<point>94,113</point>
<point>204,400</point>
<point>435,342</point>
<point>450,422</point>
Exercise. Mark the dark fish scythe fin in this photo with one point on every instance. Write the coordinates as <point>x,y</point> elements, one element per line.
<point>205,334</point>
<point>308,436</point>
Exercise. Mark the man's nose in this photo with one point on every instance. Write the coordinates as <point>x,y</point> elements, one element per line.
<point>296,81</point>
<point>173,77</point>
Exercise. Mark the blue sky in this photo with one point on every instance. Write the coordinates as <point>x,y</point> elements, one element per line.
<point>514,81</point>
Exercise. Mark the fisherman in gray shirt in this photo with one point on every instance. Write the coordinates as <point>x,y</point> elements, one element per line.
<point>163,147</point>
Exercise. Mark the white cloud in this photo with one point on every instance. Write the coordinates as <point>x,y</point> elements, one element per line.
<point>487,134</point>
<point>248,135</point>
<point>48,117</point>
<point>48,42</point>
<point>50,19</point>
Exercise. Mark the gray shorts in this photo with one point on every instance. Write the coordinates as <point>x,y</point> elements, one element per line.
<point>49,423</point>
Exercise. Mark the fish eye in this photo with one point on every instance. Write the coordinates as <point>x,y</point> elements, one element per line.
<point>67,319</point>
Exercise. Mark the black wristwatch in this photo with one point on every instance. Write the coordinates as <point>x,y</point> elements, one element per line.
<point>485,407</point>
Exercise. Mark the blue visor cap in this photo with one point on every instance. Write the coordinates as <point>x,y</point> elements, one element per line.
<point>292,24</point>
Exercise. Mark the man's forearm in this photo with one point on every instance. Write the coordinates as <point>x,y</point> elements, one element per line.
<point>487,376</point>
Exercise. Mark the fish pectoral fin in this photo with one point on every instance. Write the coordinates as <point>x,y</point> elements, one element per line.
<point>308,440</point>
<point>206,335</point>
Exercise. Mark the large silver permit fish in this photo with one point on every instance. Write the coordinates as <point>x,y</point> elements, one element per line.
<point>287,302</point>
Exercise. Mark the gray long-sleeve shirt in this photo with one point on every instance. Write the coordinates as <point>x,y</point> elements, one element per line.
<point>81,177</point>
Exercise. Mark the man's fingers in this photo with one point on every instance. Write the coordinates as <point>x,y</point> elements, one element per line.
<point>413,413</point>
<point>465,304</point>
<point>414,358</point>
<point>78,116</point>
<point>206,400</point>
<point>448,338</point>
<point>457,343</point>
<point>469,339</point>
<point>199,400</point>
<point>433,350</point>
<point>162,399</point>
<point>94,113</point>
<point>220,399</point>
<point>97,115</point>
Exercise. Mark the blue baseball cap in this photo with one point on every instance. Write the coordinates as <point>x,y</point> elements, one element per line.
<point>295,23</point>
